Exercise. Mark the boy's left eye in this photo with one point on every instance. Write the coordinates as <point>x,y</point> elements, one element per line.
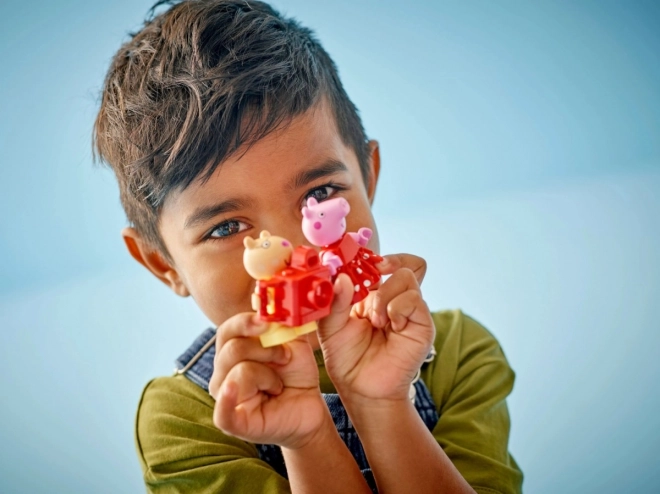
<point>324,192</point>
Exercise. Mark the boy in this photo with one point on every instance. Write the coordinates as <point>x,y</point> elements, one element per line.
<point>219,119</point>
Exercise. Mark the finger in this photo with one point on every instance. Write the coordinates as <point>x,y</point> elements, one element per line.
<point>408,307</point>
<point>341,307</point>
<point>228,415</point>
<point>241,393</point>
<point>243,324</point>
<point>253,379</point>
<point>401,281</point>
<point>393,262</point>
<point>301,370</point>
<point>224,416</point>
<point>244,349</point>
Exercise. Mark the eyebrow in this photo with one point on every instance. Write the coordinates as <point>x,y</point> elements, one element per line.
<point>205,213</point>
<point>302,178</point>
<point>329,167</point>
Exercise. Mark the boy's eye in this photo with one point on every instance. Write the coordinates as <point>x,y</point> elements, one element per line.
<point>324,192</point>
<point>227,229</point>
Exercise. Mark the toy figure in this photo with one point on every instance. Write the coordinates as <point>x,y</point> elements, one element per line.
<point>293,288</point>
<point>262,258</point>
<point>324,225</point>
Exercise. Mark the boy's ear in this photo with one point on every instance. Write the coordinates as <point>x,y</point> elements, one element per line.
<point>374,169</point>
<point>153,260</point>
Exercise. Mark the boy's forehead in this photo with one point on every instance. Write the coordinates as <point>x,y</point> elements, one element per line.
<point>308,143</point>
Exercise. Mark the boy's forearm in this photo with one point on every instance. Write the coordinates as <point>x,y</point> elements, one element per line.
<point>402,453</point>
<point>325,465</point>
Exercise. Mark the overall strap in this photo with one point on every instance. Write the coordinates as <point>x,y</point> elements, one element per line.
<point>196,363</point>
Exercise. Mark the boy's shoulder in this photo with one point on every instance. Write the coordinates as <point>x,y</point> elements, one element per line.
<point>167,403</point>
<point>457,331</point>
<point>175,389</point>
<point>464,346</point>
<point>174,425</point>
<point>469,380</point>
<point>178,444</point>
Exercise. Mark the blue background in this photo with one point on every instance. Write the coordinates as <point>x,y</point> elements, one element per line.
<point>521,157</point>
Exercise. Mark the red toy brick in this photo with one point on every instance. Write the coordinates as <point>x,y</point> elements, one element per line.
<point>299,294</point>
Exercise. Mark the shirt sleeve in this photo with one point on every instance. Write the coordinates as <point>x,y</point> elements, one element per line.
<point>182,451</point>
<point>470,379</point>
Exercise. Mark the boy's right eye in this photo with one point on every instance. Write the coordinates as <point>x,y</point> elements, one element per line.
<point>227,229</point>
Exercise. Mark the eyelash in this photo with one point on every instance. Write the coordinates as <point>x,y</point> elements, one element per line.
<point>335,188</point>
<point>219,225</point>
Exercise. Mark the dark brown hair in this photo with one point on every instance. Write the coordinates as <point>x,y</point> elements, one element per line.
<point>199,81</point>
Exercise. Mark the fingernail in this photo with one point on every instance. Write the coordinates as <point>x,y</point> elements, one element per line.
<point>257,327</point>
<point>257,322</point>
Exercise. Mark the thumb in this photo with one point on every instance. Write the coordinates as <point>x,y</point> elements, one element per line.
<point>340,310</point>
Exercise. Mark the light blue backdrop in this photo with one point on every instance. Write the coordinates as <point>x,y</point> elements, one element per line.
<point>521,155</point>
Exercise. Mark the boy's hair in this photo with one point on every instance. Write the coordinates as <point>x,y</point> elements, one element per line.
<point>195,84</point>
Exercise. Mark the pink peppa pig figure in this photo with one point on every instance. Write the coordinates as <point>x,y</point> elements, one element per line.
<point>324,225</point>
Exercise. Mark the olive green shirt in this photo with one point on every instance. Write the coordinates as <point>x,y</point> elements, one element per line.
<point>182,451</point>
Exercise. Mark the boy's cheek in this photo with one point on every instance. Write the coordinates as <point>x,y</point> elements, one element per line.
<point>221,293</point>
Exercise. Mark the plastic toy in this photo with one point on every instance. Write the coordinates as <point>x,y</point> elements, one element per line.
<point>263,258</point>
<point>324,225</point>
<point>293,289</point>
<point>295,286</point>
<point>300,294</point>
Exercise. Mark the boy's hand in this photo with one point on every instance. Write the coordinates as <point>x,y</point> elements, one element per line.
<point>374,349</point>
<point>265,395</point>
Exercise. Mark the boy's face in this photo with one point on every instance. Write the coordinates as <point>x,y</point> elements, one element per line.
<point>263,189</point>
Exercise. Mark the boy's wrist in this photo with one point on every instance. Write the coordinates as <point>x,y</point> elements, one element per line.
<point>323,463</point>
<point>355,396</point>
<point>373,412</point>
<point>318,438</point>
